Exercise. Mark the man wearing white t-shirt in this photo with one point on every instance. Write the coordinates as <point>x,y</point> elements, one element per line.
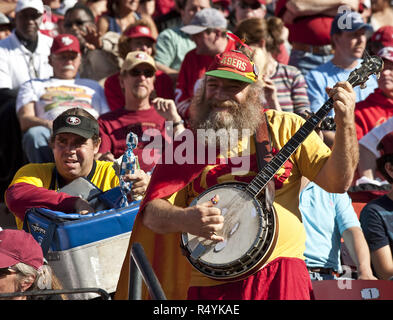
<point>40,101</point>
<point>23,56</point>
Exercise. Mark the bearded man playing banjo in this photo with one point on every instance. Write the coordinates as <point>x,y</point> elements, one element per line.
<point>194,246</point>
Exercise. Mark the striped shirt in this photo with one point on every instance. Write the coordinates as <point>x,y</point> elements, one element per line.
<point>291,89</point>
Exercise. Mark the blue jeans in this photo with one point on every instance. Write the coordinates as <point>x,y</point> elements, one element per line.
<point>306,61</point>
<point>36,145</point>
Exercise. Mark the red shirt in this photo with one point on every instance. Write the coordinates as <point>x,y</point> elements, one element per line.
<point>193,68</point>
<point>372,111</point>
<point>115,96</point>
<point>115,125</point>
<point>312,30</point>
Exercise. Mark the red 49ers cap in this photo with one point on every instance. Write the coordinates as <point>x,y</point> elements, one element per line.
<point>19,246</point>
<point>233,65</point>
<point>65,42</point>
<point>80,125</point>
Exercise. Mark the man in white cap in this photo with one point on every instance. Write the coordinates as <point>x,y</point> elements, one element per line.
<point>23,56</point>
<point>208,29</point>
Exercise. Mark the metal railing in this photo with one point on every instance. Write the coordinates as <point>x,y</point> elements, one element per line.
<point>104,295</point>
<point>140,268</point>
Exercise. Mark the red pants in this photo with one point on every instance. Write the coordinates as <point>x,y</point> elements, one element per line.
<point>281,279</point>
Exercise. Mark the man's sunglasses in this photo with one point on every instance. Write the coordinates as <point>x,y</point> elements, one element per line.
<point>148,73</point>
<point>78,23</point>
<point>254,6</point>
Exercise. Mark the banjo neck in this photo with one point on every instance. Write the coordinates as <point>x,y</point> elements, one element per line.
<point>260,181</point>
<point>371,65</point>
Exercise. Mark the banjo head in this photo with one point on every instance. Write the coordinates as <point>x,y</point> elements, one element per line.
<point>249,233</point>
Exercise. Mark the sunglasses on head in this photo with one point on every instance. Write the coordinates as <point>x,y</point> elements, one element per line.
<point>253,6</point>
<point>148,73</point>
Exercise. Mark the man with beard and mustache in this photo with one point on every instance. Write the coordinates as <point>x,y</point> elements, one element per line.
<point>143,117</point>
<point>40,101</point>
<point>229,98</point>
<point>349,35</point>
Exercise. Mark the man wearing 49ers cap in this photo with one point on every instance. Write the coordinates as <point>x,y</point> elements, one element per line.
<point>40,101</point>
<point>228,101</point>
<point>74,141</point>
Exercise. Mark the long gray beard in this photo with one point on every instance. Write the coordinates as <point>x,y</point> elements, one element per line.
<point>228,126</point>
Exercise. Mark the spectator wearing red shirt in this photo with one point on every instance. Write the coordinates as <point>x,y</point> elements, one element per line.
<point>309,24</point>
<point>208,29</point>
<point>143,117</point>
<point>137,37</point>
<point>378,106</point>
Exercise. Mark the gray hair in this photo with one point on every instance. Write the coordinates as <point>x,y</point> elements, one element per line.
<point>44,278</point>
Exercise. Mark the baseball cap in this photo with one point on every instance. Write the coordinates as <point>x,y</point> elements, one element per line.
<point>139,32</point>
<point>205,19</point>
<point>80,125</point>
<point>19,246</point>
<point>65,42</point>
<point>135,58</point>
<point>349,21</point>
<point>385,146</point>
<point>386,53</point>
<point>233,65</point>
<point>384,35</point>
<point>35,4</point>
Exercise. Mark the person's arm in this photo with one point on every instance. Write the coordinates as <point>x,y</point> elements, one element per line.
<point>27,118</point>
<point>167,109</point>
<point>359,252</point>
<point>337,173</point>
<point>201,220</point>
<point>23,196</point>
<point>301,8</point>
<point>367,163</point>
<point>382,261</point>
<point>172,73</point>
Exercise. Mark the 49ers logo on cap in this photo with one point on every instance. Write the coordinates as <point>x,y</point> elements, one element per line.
<point>73,120</point>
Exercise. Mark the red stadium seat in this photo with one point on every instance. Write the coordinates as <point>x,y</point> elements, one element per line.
<point>353,290</point>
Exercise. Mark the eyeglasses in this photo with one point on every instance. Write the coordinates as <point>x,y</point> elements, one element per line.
<point>148,73</point>
<point>253,6</point>
<point>78,23</point>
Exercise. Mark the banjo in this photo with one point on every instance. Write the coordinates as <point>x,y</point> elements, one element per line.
<point>250,220</point>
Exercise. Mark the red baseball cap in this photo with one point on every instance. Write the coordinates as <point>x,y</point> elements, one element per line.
<point>386,53</point>
<point>19,246</point>
<point>139,32</point>
<point>65,42</point>
<point>233,65</point>
<point>385,146</point>
<point>384,35</point>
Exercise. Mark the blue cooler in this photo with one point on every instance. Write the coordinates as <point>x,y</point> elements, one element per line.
<point>84,251</point>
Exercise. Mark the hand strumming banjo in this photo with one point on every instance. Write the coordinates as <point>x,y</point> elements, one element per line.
<point>251,224</point>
